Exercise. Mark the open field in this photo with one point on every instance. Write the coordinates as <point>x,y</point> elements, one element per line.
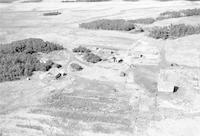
<point>112,87</point>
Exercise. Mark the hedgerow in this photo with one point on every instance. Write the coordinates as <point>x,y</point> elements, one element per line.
<point>143,21</point>
<point>107,24</point>
<point>19,59</point>
<point>180,13</point>
<point>174,31</point>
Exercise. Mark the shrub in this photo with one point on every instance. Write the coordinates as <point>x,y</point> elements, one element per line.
<point>76,67</point>
<point>180,13</point>
<point>174,31</point>
<point>143,21</point>
<point>81,49</point>
<point>106,24</point>
<point>19,58</point>
<point>91,57</point>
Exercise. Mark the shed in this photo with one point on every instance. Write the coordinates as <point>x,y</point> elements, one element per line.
<point>58,76</point>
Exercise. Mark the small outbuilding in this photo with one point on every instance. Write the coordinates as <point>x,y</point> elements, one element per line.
<point>58,76</point>
<point>123,74</point>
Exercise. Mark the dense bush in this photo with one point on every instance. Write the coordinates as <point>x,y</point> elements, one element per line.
<point>174,31</point>
<point>91,57</point>
<point>106,24</point>
<point>180,13</point>
<point>81,49</point>
<point>76,67</point>
<point>143,21</point>
<point>19,58</point>
<point>29,46</point>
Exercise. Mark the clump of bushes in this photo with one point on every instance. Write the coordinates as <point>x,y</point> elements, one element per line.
<point>54,13</point>
<point>180,13</point>
<point>81,49</point>
<point>174,31</point>
<point>107,24</point>
<point>92,58</point>
<point>76,67</point>
<point>19,58</point>
<point>143,21</point>
<point>87,54</point>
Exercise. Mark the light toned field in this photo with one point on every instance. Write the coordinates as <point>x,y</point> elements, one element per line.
<point>97,101</point>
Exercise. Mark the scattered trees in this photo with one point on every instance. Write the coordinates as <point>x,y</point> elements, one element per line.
<point>174,31</point>
<point>19,58</point>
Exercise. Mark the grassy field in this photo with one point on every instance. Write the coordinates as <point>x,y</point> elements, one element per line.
<point>92,99</point>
